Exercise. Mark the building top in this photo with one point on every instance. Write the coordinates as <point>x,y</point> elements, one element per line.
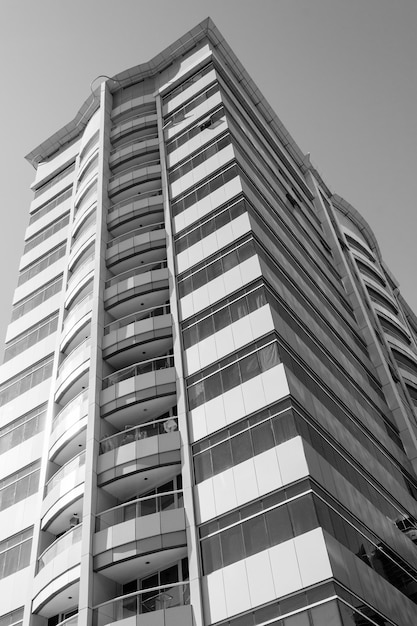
<point>204,30</point>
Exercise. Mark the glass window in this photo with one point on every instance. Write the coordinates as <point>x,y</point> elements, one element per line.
<point>255,535</point>
<point>213,386</point>
<point>279,525</point>
<point>303,515</point>
<point>222,457</point>
<point>262,437</point>
<point>230,377</point>
<point>249,367</point>
<point>268,357</point>
<point>211,553</point>
<point>203,466</point>
<point>221,319</point>
<point>241,447</point>
<point>232,545</point>
<point>238,309</point>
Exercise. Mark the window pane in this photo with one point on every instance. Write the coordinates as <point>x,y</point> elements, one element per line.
<point>205,328</point>
<point>221,319</point>
<point>268,357</point>
<point>284,428</point>
<point>249,367</point>
<point>230,377</point>
<point>279,525</point>
<point>232,545</point>
<point>262,437</point>
<point>202,466</point>
<point>256,299</point>
<point>255,535</point>
<point>241,448</point>
<point>213,386</point>
<point>211,553</point>
<point>196,395</point>
<point>222,457</point>
<point>303,515</point>
<point>230,260</point>
<point>214,270</point>
<point>238,309</point>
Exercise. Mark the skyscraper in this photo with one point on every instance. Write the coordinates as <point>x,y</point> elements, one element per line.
<point>209,391</point>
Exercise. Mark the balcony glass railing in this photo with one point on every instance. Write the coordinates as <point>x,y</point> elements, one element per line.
<point>135,271</point>
<point>135,168</point>
<point>139,508</point>
<point>137,317</point>
<point>137,231</point>
<point>68,468</point>
<point>85,267</point>
<point>77,356</point>
<point>137,433</point>
<point>140,196</point>
<point>72,411</point>
<point>133,142</point>
<point>153,365</point>
<point>140,602</point>
<point>79,310</point>
<point>64,542</point>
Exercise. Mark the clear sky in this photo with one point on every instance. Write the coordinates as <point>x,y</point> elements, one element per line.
<point>341,75</point>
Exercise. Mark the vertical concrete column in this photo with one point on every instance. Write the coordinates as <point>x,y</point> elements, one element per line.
<point>87,589</point>
<point>186,456</point>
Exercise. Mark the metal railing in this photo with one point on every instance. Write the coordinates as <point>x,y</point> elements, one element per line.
<point>140,602</point>
<point>139,508</point>
<point>140,196</point>
<point>138,433</point>
<point>135,168</point>
<point>68,468</point>
<point>145,314</point>
<point>137,231</point>
<point>62,543</point>
<point>70,621</point>
<point>135,271</point>
<point>145,367</point>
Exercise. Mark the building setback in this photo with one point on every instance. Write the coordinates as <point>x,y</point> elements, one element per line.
<point>209,391</point>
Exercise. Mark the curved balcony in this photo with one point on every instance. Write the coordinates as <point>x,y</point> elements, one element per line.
<point>73,373</point>
<point>84,188</point>
<point>64,543</point>
<point>135,212</point>
<point>78,281</point>
<point>59,596</point>
<point>174,598</point>
<point>86,210</point>
<point>163,426</point>
<point>147,284</point>
<point>139,340</point>
<point>125,547</point>
<point>68,430</point>
<point>78,247</point>
<point>77,323</point>
<point>134,107</point>
<point>382,312</point>
<point>63,496</point>
<point>150,384</point>
<point>148,241</point>
<point>87,166</point>
<point>135,154</point>
<point>133,148</point>
<point>139,508</point>
<point>134,176</point>
<point>139,458</point>
<point>139,125</point>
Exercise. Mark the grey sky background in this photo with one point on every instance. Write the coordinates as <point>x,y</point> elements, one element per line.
<point>341,75</point>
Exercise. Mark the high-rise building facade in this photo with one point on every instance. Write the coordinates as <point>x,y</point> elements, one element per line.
<point>208,399</point>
